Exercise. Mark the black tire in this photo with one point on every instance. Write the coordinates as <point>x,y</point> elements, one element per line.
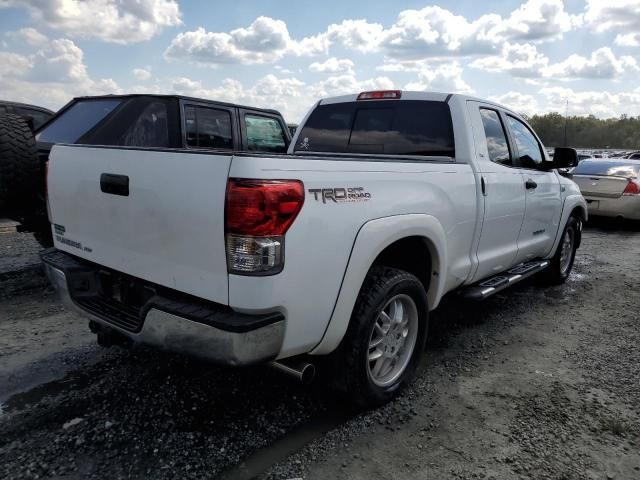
<point>22,196</point>
<point>557,272</point>
<point>19,166</point>
<point>350,362</point>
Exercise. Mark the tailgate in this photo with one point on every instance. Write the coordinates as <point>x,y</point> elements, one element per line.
<point>601,186</point>
<point>167,227</point>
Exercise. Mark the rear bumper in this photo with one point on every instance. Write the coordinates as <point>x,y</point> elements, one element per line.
<point>175,323</point>
<point>627,207</point>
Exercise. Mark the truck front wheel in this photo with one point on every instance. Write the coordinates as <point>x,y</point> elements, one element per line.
<point>385,338</point>
<point>562,262</point>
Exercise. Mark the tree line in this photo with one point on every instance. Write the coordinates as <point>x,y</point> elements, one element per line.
<point>587,132</point>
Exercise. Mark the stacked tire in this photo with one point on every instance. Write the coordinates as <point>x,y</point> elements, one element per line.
<point>22,177</point>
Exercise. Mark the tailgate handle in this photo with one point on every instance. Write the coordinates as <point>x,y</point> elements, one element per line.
<point>114,184</point>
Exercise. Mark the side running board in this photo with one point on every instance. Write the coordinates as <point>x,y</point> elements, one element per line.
<point>493,285</point>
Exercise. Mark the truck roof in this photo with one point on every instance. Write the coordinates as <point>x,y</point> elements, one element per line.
<point>180,97</point>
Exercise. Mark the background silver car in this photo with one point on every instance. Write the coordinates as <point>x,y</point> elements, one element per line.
<point>610,186</point>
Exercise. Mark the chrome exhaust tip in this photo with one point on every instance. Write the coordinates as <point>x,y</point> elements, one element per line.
<point>304,372</point>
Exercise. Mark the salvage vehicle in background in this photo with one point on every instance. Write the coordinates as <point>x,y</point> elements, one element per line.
<point>34,115</point>
<point>180,234</point>
<point>611,187</point>
<point>130,120</point>
<point>21,175</point>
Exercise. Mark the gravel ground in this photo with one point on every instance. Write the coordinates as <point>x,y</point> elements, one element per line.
<point>20,268</point>
<point>533,383</point>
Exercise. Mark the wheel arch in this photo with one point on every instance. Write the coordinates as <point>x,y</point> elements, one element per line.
<point>383,240</point>
<point>573,205</point>
<point>580,213</point>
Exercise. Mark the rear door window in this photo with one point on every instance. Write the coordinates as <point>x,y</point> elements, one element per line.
<point>264,134</point>
<point>150,128</point>
<point>77,120</point>
<point>139,121</point>
<point>404,127</point>
<point>208,127</point>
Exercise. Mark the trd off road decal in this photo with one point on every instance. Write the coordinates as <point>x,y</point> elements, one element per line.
<point>340,195</point>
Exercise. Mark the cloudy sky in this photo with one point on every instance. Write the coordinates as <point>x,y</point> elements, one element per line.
<point>530,55</point>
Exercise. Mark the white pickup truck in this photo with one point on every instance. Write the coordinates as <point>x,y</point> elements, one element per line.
<point>337,249</point>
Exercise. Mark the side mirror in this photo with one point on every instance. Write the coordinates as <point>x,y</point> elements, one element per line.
<point>565,157</point>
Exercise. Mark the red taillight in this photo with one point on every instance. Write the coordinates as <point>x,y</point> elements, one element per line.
<point>632,188</point>
<point>380,95</point>
<point>262,207</point>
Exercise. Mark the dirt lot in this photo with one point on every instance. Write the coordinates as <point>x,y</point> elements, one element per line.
<point>535,383</point>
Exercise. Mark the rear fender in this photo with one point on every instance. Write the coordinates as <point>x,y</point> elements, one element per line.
<point>372,239</point>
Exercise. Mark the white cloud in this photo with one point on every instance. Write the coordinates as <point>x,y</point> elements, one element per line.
<point>601,103</point>
<point>264,36</point>
<point>29,35</point>
<point>13,64</point>
<point>265,41</point>
<point>109,20</point>
<point>432,32</point>
<point>539,20</point>
<point>283,70</point>
<point>51,76</point>
<point>628,39</point>
<point>436,32</point>
<point>520,60</point>
<point>444,78</point>
<point>332,65</point>
<point>355,34</point>
<point>141,74</point>
<point>602,64</point>
<point>518,102</point>
<point>621,16</point>
<point>526,61</point>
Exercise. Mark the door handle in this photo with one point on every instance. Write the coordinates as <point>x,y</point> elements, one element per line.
<point>530,184</point>
<point>483,185</point>
<point>114,184</point>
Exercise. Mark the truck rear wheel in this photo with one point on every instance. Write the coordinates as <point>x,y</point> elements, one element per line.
<point>385,338</point>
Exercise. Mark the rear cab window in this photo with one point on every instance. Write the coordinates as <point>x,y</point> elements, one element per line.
<point>390,127</point>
